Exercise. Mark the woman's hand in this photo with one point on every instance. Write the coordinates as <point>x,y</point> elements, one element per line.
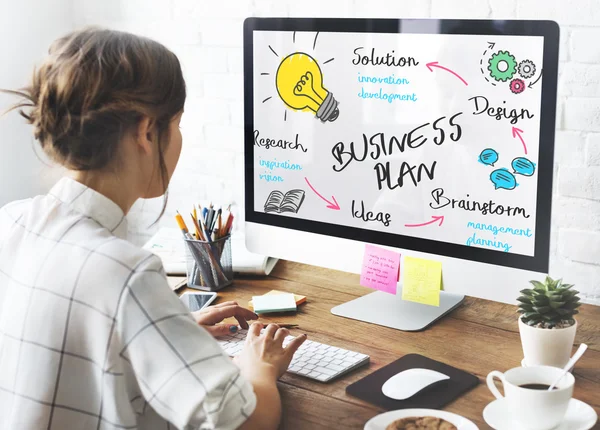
<point>264,356</point>
<point>210,317</point>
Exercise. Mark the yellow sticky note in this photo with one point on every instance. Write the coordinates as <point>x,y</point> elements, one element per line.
<point>422,281</point>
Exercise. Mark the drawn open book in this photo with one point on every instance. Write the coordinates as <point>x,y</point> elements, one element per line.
<point>288,202</point>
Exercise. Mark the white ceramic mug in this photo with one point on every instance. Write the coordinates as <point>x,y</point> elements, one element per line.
<point>529,408</point>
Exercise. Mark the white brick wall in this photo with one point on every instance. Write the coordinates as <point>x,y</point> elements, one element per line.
<point>207,36</point>
<point>592,154</point>
<point>584,46</point>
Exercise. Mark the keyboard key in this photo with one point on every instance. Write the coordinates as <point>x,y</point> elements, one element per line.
<point>304,371</point>
<point>325,371</point>
<point>314,375</point>
<point>337,361</point>
<point>323,378</point>
<point>334,367</point>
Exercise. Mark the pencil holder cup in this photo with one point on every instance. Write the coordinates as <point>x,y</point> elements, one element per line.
<point>208,264</point>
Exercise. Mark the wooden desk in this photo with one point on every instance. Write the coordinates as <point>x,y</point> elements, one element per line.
<point>479,337</point>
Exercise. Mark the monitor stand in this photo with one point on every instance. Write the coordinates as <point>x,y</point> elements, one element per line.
<point>391,311</point>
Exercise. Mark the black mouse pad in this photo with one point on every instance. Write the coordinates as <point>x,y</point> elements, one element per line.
<point>433,397</point>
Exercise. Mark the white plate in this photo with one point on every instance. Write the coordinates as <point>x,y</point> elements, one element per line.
<point>381,421</point>
<point>579,416</point>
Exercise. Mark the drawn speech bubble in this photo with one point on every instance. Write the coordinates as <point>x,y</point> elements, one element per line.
<point>502,178</point>
<point>523,166</point>
<point>488,157</point>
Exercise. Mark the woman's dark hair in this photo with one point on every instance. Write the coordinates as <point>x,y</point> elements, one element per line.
<point>94,86</point>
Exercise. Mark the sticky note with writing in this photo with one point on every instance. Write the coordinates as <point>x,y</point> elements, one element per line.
<point>422,281</point>
<point>380,269</point>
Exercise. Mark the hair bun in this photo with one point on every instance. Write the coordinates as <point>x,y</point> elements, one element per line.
<point>93,87</point>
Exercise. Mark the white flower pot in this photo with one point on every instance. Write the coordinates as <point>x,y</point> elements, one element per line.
<point>547,347</point>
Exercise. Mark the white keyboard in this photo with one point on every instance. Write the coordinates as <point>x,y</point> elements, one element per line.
<point>313,359</point>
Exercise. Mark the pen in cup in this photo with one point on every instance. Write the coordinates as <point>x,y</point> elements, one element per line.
<point>199,235</point>
<point>182,226</point>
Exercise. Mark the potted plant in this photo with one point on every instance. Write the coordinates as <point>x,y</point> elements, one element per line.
<point>547,324</point>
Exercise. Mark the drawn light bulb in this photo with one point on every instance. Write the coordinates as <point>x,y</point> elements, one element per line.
<point>299,83</point>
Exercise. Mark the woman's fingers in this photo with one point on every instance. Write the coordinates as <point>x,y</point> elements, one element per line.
<point>280,335</point>
<point>271,330</point>
<point>254,330</point>
<point>221,329</point>
<point>220,305</point>
<point>219,314</point>
<point>294,344</point>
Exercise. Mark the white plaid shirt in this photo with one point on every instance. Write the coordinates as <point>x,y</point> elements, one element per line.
<point>91,336</point>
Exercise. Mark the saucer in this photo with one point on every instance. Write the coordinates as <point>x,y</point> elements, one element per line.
<point>579,416</point>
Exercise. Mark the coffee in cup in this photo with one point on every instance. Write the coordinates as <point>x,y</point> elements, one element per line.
<point>528,401</point>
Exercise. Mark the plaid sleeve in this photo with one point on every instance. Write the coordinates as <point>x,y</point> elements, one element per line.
<point>181,370</point>
<point>9,216</point>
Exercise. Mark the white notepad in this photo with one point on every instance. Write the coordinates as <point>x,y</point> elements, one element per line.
<point>168,244</point>
<point>273,303</point>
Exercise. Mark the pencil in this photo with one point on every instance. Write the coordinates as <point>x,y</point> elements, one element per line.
<point>205,230</point>
<point>182,226</point>
<point>286,325</point>
<point>225,222</point>
<point>199,234</point>
<point>229,225</point>
<point>219,223</point>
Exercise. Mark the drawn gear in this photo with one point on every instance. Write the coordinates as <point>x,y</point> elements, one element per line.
<point>526,69</point>
<point>502,66</point>
<point>517,86</point>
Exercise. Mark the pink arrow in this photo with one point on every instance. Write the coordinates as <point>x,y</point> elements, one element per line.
<point>517,132</point>
<point>333,206</point>
<point>434,218</point>
<point>435,64</point>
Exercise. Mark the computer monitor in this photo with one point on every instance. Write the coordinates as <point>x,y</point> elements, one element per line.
<point>433,138</point>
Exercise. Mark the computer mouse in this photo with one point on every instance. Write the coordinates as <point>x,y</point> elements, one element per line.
<point>409,382</point>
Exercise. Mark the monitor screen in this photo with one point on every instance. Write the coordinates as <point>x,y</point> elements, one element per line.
<point>430,135</point>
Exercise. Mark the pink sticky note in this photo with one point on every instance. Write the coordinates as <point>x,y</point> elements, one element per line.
<point>380,269</point>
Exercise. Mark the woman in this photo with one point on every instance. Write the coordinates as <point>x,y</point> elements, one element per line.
<point>91,336</point>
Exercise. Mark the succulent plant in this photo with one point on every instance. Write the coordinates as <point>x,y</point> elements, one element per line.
<point>550,304</point>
